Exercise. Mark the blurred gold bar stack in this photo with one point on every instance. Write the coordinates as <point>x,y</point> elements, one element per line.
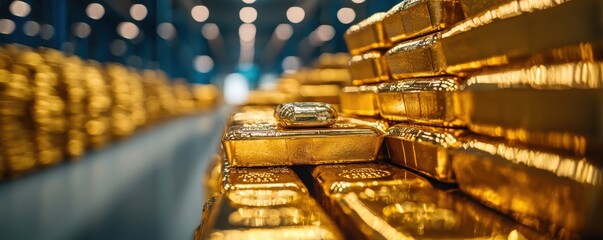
<point>55,107</point>
<point>490,111</point>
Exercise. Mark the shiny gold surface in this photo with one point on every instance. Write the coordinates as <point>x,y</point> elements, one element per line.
<point>367,35</point>
<point>577,75</point>
<point>267,97</point>
<point>568,120</point>
<point>469,45</point>
<point>301,218</point>
<point>328,93</point>
<point>420,57</point>
<point>472,8</point>
<point>431,101</point>
<point>368,68</point>
<point>379,201</point>
<point>253,138</point>
<point>332,60</point>
<point>359,100</point>
<point>552,192</point>
<point>425,149</point>
<point>305,114</point>
<point>414,18</point>
<point>212,180</point>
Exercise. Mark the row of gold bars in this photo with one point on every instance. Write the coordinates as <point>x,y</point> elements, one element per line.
<point>461,119</point>
<point>55,106</point>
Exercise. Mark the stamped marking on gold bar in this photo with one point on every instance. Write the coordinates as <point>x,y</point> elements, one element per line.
<point>305,114</point>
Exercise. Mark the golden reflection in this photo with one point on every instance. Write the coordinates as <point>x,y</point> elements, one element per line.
<point>360,100</point>
<point>367,35</point>
<point>419,57</point>
<point>368,68</point>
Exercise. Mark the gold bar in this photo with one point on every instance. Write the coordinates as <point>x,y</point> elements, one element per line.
<point>552,192</point>
<point>332,60</point>
<point>339,76</point>
<point>379,201</point>
<point>254,139</point>
<point>367,35</point>
<point>368,68</point>
<point>225,217</point>
<point>360,100</point>
<point>266,97</point>
<point>431,101</point>
<point>328,93</point>
<point>305,114</point>
<point>510,26</point>
<point>270,203</point>
<point>212,180</point>
<point>420,57</point>
<point>567,120</point>
<point>411,19</point>
<point>425,149</point>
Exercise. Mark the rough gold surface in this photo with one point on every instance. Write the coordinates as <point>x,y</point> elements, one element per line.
<point>431,101</point>
<point>264,203</point>
<point>425,149</point>
<point>360,100</point>
<point>305,114</point>
<point>253,138</point>
<point>367,35</point>
<point>413,18</point>
<point>368,68</point>
<point>469,46</point>
<point>379,201</point>
<point>583,75</point>
<point>552,192</point>
<point>569,120</point>
<point>420,57</point>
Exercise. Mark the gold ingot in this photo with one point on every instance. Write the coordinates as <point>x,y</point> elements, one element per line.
<point>367,35</point>
<point>567,119</point>
<point>212,180</point>
<point>328,93</point>
<point>305,114</point>
<point>431,101</point>
<point>379,201</point>
<point>498,37</point>
<point>425,149</point>
<point>302,218</point>
<point>547,190</point>
<point>411,19</point>
<point>420,57</point>
<point>253,138</point>
<point>359,100</point>
<point>267,97</point>
<point>332,60</point>
<point>368,68</point>
<point>339,76</point>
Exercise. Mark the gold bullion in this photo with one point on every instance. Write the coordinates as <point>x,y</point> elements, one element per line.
<point>264,202</point>
<point>253,138</point>
<point>212,179</point>
<point>552,192</point>
<point>432,101</point>
<point>420,57</point>
<point>359,100</point>
<point>575,75</point>
<point>301,218</point>
<point>305,114</point>
<point>332,60</point>
<point>368,68</point>
<point>468,46</point>
<point>339,76</point>
<point>379,201</point>
<point>268,97</point>
<point>425,149</point>
<point>473,8</point>
<point>566,119</point>
<point>328,93</point>
<point>414,18</point>
<point>367,35</point>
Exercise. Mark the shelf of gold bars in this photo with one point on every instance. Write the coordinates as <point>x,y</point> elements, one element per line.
<point>54,107</point>
<point>451,119</point>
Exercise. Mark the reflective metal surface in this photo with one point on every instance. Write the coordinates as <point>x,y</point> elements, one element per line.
<point>305,114</point>
<point>360,100</point>
<point>419,57</point>
<point>367,35</point>
<point>368,68</point>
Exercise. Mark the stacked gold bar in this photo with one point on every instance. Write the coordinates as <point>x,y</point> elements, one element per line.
<point>54,107</point>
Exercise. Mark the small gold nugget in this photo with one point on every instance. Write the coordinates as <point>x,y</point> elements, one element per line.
<point>305,114</point>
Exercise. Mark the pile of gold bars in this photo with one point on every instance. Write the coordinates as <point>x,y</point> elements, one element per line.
<point>55,106</point>
<point>491,115</point>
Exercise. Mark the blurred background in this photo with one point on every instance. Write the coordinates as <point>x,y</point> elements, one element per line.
<point>149,186</point>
